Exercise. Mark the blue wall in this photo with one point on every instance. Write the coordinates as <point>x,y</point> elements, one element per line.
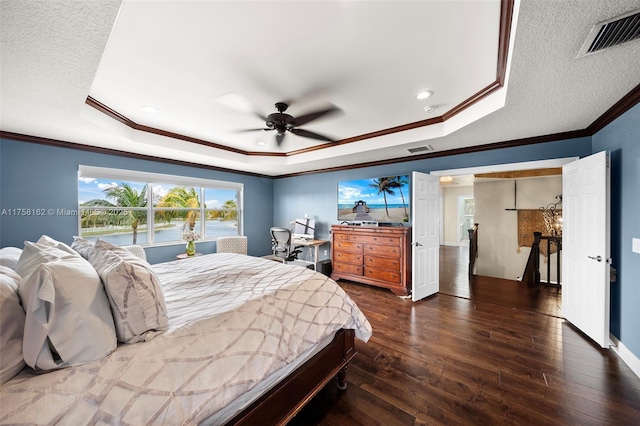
<point>317,194</point>
<point>622,139</point>
<point>40,176</point>
<point>37,176</point>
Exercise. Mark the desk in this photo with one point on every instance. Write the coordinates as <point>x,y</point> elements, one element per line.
<point>310,243</point>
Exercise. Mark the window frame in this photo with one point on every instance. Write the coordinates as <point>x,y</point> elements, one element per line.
<point>150,179</point>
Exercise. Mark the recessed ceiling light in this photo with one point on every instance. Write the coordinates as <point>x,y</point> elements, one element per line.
<point>424,95</point>
<point>262,143</point>
<point>149,109</point>
<point>429,108</point>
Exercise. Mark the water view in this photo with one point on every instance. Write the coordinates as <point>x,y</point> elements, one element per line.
<point>164,233</point>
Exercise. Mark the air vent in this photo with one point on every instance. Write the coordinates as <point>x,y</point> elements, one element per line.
<point>420,149</point>
<point>612,33</point>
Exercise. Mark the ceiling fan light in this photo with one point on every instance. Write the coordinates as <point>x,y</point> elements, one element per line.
<point>424,95</point>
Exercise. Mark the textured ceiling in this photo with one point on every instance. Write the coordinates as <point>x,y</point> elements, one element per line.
<point>368,58</point>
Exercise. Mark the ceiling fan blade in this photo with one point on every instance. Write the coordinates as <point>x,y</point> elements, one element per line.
<point>253,130</point>
<point>260,116</point>
<point>240,103</point>
<point>304,119</point>
<point>279,138</point>
<point>312,135</point>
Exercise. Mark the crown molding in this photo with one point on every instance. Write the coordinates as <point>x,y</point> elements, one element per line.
<point>109,151</point>
<point>504,37</point>
<point>623,105</point>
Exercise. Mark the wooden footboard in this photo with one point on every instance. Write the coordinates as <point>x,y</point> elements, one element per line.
<point>283,401</point>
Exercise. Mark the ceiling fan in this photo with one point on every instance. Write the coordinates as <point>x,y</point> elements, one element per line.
<point>283,123</point>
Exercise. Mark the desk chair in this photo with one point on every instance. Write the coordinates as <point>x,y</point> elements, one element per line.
<point>281,242</point>
<point>282,252</point>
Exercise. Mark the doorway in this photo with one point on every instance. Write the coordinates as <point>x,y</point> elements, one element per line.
<point>454,258</point>
<point>464,218</point>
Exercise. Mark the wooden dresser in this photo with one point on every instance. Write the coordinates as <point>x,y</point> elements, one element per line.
<point>379,256</point>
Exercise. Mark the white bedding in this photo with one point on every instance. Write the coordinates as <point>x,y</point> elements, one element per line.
<point>234,320</point>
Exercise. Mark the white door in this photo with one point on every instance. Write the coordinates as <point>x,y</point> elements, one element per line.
<point>425,235</point>
<point>585,246</point>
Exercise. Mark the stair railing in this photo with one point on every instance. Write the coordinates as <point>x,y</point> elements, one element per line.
<point>531,273</point>
<point>473,248</point>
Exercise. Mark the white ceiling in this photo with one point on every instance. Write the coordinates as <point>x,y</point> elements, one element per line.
<point>369,58</point>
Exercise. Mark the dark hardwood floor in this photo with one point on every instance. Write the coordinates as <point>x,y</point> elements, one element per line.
<point>466,356</point>
<point>454,281</point>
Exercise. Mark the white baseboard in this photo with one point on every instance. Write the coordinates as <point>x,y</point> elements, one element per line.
<point>454,244</point>
<point>625,354</point>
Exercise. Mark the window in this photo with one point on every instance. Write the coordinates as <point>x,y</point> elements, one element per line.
<point>117,206</point>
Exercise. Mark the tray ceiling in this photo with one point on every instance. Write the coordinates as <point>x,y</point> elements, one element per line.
<point>82,72</point>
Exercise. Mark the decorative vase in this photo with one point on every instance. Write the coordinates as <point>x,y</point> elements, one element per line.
<point>191,248</point>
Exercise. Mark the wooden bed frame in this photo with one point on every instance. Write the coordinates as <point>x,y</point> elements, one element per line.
<point>284,400</point>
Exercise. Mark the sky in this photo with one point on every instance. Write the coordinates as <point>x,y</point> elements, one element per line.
<point>360,189</point>
<point>92,188</point>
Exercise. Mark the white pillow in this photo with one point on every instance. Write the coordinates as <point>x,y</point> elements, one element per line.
<point>35,254</point>
<point>11,325</point>
<point>48,241</point>
<point>82,246</point>
<point>9,256</point>
<point>68,320</point>
<point>134,291</point>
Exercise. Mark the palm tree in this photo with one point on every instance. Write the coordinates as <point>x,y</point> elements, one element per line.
<point>231,210</point>
<point>399,182</point>
<point>123,195</point>
<point>383,185</point>
<point>182,197</point>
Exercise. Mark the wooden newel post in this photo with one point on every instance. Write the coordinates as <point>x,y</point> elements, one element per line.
<point>473,247</point>
<point>536,256</point>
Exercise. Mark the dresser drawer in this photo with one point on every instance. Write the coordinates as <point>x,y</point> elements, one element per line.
<point>347,257</point>
<point>378,239</point>
<point>380,250</point>
<point>339,246</point>
<point>383,275</point>
<point>378,256</point>
<point>338,236</point>
<point>392,263</point>
<point>347,268</point>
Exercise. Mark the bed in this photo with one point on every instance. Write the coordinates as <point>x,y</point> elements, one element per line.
<point>246,341</point>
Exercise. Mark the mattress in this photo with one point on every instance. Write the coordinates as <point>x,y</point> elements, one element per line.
<point>236,323</point>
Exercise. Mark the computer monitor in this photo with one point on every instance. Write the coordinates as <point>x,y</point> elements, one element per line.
<point>304,228</point>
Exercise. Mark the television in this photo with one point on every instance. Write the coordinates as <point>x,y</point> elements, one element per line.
<point>304,229</point>
<point>375,200</point>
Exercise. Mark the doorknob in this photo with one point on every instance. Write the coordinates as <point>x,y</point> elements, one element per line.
<point>598,258</point>
<point>418,244</point>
